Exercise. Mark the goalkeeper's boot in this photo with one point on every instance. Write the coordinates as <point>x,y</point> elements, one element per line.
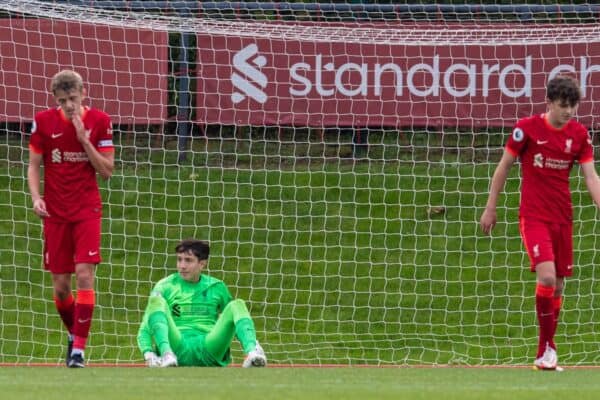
<point>256,358</point>
<point>69,348</point>
<point>76,361</point>
<point>169,360</point>
<point>548,361</point>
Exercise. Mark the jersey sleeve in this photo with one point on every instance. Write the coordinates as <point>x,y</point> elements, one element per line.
<point>104,139</point>
<point>160,288</point>
<point>587,150</point>
<point>36,142</point>
<point>517,140</point>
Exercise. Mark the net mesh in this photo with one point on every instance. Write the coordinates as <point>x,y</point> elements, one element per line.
<point>347,218</point>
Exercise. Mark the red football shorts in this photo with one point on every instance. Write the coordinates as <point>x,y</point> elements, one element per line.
<point>546,241</point>
<point>70,243</point>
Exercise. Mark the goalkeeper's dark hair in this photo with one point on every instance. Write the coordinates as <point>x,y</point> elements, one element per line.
<point>199,248</point>
<point>564,88</point>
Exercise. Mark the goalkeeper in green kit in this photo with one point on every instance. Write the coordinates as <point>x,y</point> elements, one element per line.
<point>191,318</point>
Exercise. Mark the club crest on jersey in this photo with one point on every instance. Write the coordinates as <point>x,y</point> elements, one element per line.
<point>536,251</point>
<point>518,134</point>
<point>568,144</point>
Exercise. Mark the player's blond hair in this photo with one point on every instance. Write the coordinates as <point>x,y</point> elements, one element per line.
<point>66,80</point>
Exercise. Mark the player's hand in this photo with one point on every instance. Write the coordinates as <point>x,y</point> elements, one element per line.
<point>488,220</point>
<point>39,208</point>
<point>83,135</point>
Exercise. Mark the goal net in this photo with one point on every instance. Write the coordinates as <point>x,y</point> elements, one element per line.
<point>337,158</point>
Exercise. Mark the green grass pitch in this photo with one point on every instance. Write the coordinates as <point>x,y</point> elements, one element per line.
<point>26,383</point>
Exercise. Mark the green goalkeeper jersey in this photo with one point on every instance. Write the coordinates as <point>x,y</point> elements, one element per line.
<point>194,307</point>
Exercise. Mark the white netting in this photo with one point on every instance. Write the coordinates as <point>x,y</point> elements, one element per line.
<point>338,167</point>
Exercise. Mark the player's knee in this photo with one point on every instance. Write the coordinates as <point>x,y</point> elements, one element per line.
<point>237,306</point>
<point>238,303</point>
<point>547,280</point>
<point>62,292</point>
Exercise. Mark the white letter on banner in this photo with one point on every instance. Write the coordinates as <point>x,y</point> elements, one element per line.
<point>526,72</point>
<point>470,89</point>
<point>361,89</point>
<point>318,76</point>
<point>435,75</point>
<point>560,68</point>
<point>584,73</point>
<point>380,69</point>
<point>300,79</point>
<point>487,71</point>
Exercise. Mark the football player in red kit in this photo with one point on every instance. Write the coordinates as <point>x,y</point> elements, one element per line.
<point>73,143</point>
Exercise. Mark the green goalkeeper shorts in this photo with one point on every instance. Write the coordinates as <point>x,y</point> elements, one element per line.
<point>192,353</point>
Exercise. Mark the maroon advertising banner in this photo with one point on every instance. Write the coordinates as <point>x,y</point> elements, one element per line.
<point>263,81</point>
<point>125,70</point>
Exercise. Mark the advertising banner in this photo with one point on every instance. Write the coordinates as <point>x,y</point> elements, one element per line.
<point>291,82</point>
<point>124,70</point>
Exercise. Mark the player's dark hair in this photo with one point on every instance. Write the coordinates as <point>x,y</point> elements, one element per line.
<point>565,89</point>
<point>66,80</point>
<point>199,248</point>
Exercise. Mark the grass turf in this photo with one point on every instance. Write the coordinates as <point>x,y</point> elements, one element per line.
<point>297,383</point>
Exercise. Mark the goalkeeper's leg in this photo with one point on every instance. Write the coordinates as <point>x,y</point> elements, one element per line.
<point>234,320</point>
<point>166,335</point>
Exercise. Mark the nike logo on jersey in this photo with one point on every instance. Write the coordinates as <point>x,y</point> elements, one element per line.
<point>83,321</point>
<point>92,253</point>
<point>542,142</point>
<point>55,135</point>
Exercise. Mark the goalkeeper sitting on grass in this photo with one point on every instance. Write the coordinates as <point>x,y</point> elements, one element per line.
<point>191,318</point>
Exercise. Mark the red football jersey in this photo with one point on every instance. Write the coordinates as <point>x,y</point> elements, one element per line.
<point>547,155</point>
<point>70,187</point>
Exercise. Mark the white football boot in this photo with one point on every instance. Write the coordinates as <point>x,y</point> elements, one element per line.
<point>548,360</point>
<point>256,358</point>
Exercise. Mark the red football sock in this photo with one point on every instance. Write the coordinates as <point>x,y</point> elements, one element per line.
<point>544,307</point>
<point>84,309</point>
<point>66,310</point>
<point>557,304</point>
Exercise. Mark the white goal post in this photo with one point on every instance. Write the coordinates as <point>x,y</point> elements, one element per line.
<point>337,159</point>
